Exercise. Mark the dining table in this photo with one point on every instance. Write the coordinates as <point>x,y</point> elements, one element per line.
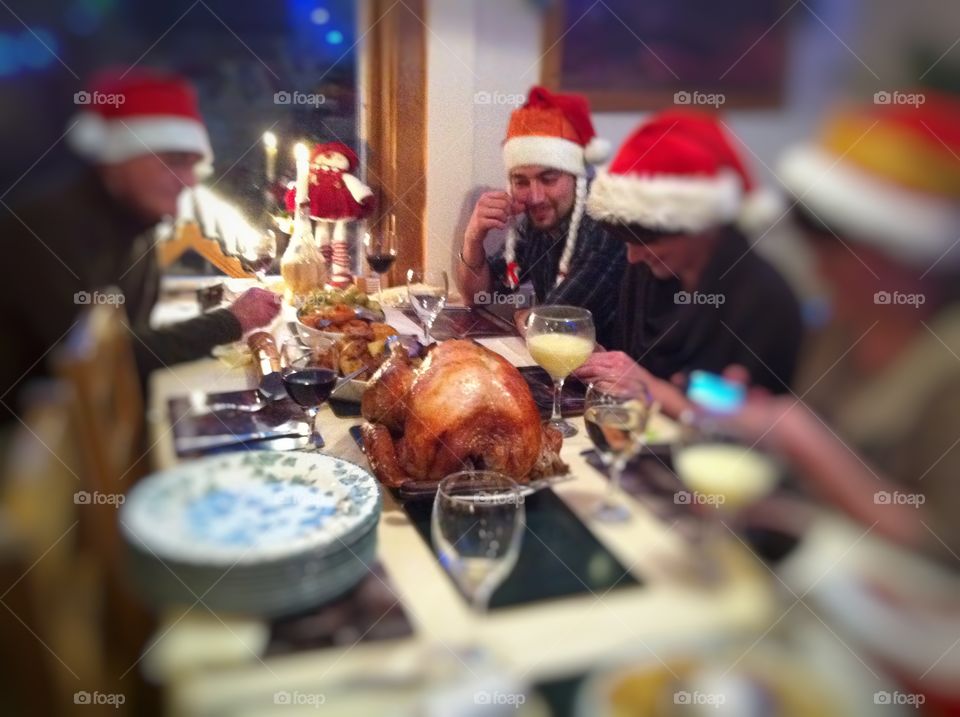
<point>210,663</point>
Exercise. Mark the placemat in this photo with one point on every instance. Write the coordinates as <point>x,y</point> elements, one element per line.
<point>230,423</point>
<point>370,612</point>
<point>464,322</point>
<point>541,386</point>
<point>559,556</point>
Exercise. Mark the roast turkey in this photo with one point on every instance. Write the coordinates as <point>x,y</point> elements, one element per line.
<point>463,407</point>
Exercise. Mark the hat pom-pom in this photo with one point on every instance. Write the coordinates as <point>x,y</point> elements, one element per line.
<point>87,135</point>
<point>760,210</point>
<point>597,150</point>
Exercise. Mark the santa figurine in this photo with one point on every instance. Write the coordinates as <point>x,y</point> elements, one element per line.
<point>336,197</point>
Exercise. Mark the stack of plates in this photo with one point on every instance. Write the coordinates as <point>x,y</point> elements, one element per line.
<point>257,532</point>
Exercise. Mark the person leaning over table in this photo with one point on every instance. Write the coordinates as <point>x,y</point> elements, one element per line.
<point>568,257</point>
<point>880,190</point>
<point>695,296</point>
<point>95,232</point>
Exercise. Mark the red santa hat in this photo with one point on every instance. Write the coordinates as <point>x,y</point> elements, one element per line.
<point>142,112</point>
<point>555,131</point>
<point>886,174</point>
<point>336,148</point>
<point>678,172</point>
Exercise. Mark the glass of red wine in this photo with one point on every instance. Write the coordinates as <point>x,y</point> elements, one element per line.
<point>309,375</point>
<point>381,252</point>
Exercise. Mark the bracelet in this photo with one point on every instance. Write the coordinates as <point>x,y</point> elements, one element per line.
<point>472,268</point>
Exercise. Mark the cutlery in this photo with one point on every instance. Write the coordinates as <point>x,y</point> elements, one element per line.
<point>200,407</point>
<point>198,443</point>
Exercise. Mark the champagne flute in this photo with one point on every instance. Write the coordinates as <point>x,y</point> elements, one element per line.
<point>427,291</point>
<point>477,526</point>
<point>309,376</point>
<point>560,339</point>
<point>381,252</point>
<point>616,423</point>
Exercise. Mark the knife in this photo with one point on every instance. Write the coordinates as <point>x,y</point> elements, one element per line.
<point>200,443</point>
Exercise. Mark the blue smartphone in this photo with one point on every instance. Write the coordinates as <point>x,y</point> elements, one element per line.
<point>715,393</point>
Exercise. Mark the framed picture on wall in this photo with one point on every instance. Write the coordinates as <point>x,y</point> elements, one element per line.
<point>629,55</point>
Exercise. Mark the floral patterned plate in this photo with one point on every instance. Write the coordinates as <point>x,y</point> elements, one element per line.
<point>250,508</point>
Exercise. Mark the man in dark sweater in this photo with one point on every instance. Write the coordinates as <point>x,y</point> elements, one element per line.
<point>96,234</point>
<point>695,296</point>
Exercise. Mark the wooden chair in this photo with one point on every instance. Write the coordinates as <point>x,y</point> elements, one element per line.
<point>50,582</point>
<point>96,363</point>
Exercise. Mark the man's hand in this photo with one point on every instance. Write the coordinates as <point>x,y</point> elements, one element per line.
<point>615,372</point>
<point>492,211</point>
<point>520,317</point>
<point>255,308</point>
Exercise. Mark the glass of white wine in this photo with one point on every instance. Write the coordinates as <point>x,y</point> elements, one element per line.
<point>616,423</point>
<point>477,526</point>
<point>427,291</point>
<point>560,339</point>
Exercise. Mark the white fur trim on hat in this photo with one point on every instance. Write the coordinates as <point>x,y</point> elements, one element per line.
<point>553,152</point>
<point>110,141</point>
<point>912,226</point>
<point>666,202</point>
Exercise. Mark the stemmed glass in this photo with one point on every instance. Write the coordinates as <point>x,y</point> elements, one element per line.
<point>560,339</point>
<point>427,291</point>
<point>477,526</point>
<point>720,479</point>
<point>309,376</point>
<point>260,254</point>
<point>617,424</point>
<point>381,252</point>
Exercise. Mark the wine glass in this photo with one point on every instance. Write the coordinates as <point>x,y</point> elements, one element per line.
<point>427,291</point>
<point>477,525</point>
<point>560,339</point>
<point>381,253</point>
<point>260,254</point>
<point>309,376</point>
<point>616,423</point>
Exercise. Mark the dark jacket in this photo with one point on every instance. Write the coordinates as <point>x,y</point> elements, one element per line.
<point>595,270</point>
<point>79,239</point>
<point>743,312</point>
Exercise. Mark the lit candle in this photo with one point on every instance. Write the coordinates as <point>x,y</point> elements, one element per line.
<point>270,150</point>
<point>302,155</point>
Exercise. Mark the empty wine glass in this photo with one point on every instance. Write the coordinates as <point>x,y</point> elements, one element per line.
<point>309,376</point>
<point>261,253</point>
<point>477,525</point>
<point>560,339</point>
<point>427,291</point>
<point>616,423</point>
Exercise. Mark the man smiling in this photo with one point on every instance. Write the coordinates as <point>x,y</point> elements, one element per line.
<point>567,256</point>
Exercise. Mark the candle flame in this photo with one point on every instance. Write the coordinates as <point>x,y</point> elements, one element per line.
<point>300,151</point>
<point>270,140</point>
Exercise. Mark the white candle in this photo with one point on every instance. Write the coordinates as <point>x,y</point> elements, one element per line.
<point>270,150</point>
<point>302,155</point>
